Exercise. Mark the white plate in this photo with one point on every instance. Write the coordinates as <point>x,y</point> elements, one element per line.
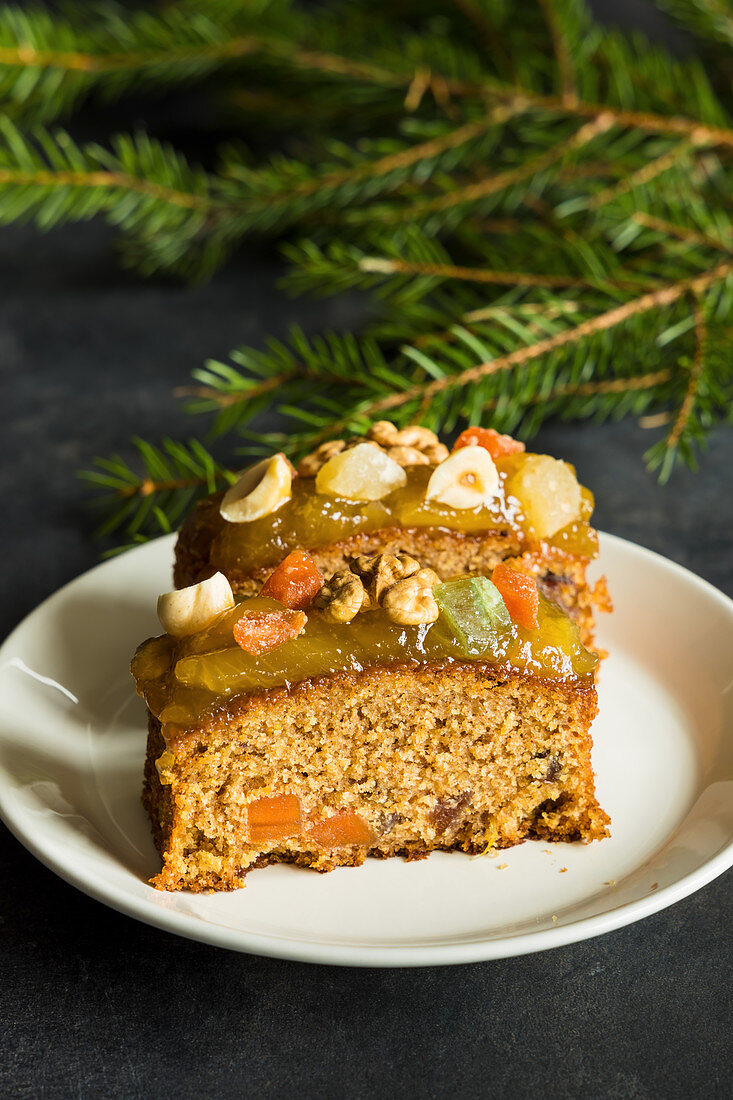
<point>72,737</point>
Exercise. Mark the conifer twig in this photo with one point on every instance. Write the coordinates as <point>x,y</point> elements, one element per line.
<point>655,299</point>
<point>561,49</point>
<point>685,411</point>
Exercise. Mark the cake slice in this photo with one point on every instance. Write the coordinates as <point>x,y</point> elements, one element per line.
<point>377,712</point>
<point>401,491</point>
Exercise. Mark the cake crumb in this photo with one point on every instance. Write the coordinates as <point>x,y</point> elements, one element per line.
<point>502,866</point>
<point>562,870</point>
<point>611,882</point>
<point>554,919</point>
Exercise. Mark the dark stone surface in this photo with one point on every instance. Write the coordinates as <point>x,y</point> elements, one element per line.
<point>96,1004</point>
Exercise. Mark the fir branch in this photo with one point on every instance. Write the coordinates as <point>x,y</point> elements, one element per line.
<point>682,419</point>
<point>563,55</point>
<point>653,300</point>
<point>151,500</point>
<point>710,20</point>
<point>683,233</point>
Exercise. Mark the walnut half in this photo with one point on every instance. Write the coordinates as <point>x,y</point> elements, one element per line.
<point>410,602</point>
<point>342,598</point>
<point>378,572</point>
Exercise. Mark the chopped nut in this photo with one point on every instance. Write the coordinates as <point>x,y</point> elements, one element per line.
<point>408,456</point>
<point>383,432</point>
<point>259,490</point>
<point>379,572</point>
<point>311,464</point>
<point>189,610</point>
<point>436,453</point>
<point>411,601</point>
<point>357,439</point>
<point>342,597</point>
<point>415,436</point>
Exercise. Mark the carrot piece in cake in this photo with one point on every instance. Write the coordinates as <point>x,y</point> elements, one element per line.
<point>341,830</point>
<point>295,582</point>
<point>275,818</point>
<point>258,631</point>
<point>496,444</point>
<point>519,593</point>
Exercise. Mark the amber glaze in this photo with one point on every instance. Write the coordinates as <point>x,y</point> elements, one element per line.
<point>181,680</point>
<point>310,519</point>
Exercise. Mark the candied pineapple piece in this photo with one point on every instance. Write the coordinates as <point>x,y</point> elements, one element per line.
<point>548,492</point>
<point>274,818</point>
<point>474,611</point>
<point>295,582</point>
<point>259,631</point>
<point>341,830</point>
<point>363,472</point>
<point>520,595</point>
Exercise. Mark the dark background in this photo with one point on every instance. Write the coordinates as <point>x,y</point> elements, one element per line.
<point>94,1003</point>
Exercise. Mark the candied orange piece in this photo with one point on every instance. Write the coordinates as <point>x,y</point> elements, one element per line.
<point>519,593</point>
<point>340,830</point>
<point>274,818</point>
<point>258,631</point>
<point>295,582</point>
<point>496,444</point>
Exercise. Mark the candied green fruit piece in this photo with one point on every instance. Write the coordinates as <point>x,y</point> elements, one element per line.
<point>474,611</point>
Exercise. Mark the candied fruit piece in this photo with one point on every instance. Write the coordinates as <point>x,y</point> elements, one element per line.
<point>341,830</point>
<point>520,595</point>
<point>258,631</point>
<point>363,472</point>
<point>474,611</point>
<point>548,491</point>
<point>496,444</point>
<point>275,818</point>
<point>295,582</point>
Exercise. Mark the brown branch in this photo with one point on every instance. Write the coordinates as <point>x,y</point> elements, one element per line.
<point>643,175</point>
<point>689,236</point>
<point>683,416</point>
<point>383,266</point>
<point>492,184</point>
<point>28,56</point>
<point>149,486</point>
<point>592,389</point>
<point>561,50</point>
<point>474,316</point>
<point>224,400</point>
<point>656,299</point>
<point>47,178</point>
<point>407,157</point>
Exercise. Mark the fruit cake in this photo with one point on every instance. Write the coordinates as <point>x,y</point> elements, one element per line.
<point>374,711</point>
<point>402,491</point>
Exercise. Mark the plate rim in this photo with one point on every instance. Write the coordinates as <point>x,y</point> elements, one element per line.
<point>364,955</point>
